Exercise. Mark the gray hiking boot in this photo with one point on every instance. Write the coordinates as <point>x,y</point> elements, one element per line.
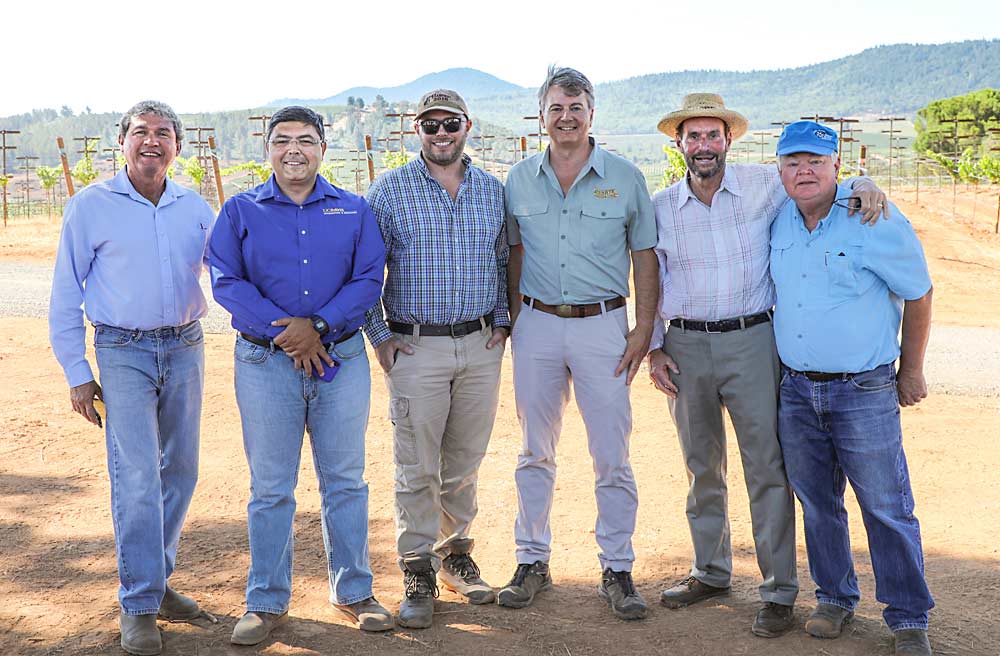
<point>459,573</point>
<point>619,592</point>
<point>528,580</point>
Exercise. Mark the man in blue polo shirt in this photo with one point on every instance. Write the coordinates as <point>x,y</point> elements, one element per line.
<point>297,262</point>
<point>131,252</point>
<point>842,289</point>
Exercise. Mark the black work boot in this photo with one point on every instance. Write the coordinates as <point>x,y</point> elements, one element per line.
<point>420,583</point>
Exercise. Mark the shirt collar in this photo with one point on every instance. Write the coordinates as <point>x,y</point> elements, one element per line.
<point>270,189</point>
<point>421,166</point>
<point>595,162</point>
<point>730,182</point>
<point>120,184</point>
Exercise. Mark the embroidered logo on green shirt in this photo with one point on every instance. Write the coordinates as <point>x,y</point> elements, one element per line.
<point>606,193</point>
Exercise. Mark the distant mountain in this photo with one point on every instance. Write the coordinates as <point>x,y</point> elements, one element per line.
<point>897,79</point>
<point>469,82</point>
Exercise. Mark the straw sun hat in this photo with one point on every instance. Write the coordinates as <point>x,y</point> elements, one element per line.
<point>697,105</point>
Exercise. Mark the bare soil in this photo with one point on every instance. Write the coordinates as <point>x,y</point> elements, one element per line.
<point>57,563</point>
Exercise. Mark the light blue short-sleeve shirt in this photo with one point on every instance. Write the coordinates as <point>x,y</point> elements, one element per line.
<point>577,246</point>
<point>840,288</point>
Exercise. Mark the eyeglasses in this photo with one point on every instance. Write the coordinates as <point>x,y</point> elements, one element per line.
<point>848,203</point>
<point>284,142</point>
<point>451,125</point>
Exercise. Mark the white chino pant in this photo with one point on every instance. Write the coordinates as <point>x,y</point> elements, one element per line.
<point>549,352</point>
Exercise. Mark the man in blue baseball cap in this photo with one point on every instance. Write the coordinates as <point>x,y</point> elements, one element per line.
<point>842,289</point>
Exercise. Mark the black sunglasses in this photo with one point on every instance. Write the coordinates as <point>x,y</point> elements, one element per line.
<point>848,203</point>
<point>431,125</point>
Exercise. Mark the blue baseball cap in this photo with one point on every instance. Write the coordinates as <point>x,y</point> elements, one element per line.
<point>807,137</point>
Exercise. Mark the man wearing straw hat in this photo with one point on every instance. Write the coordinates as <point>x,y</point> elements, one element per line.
<point>717,295</point>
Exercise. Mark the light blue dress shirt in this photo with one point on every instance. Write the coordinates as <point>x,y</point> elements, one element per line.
<point>840,288</point>
<point>129,263</point>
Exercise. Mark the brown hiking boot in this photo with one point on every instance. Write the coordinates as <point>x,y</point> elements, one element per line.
<point>690,591</point>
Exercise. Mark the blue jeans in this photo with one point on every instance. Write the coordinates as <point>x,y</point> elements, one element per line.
<point>848,429</point>
<point>152,383</point>
<point>277,403</point>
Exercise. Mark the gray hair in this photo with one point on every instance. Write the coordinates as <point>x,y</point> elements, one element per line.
<point>156,108</point>
<point>572,81</point>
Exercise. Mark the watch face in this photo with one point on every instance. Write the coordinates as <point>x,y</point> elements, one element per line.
<point>319,324</point>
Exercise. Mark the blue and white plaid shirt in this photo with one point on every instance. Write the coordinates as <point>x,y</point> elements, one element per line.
<point>446,260</point>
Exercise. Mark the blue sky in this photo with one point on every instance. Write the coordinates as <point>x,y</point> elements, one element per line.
<point>201,55</point>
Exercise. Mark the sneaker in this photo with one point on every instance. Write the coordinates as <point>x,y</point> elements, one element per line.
<point>618,590</point>
<point>690,591</point>
<point>368,614</point>
<point>528,581</point>
<point>417,609</point>
<point>827,621</point>
<point>140,636</point>
<point>772,620</point>
<point>912,642</point>
<point>176,607</point>
<point>255,627</point>
<point>459,573</point>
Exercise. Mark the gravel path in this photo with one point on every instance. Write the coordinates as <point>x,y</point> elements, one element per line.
<point>960,360</point>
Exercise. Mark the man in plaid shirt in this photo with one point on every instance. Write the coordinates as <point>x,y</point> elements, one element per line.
<point>441,344</point>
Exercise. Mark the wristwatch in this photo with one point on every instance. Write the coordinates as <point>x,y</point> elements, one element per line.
<point>320,325</point>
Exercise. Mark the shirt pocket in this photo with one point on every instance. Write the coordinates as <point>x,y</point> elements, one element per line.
<point>603,224</point>
<point>842,266</point>
<point>781,263</point>
<point>529,216</point>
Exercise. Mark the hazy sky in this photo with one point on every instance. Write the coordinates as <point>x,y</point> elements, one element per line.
<point>203,55</point>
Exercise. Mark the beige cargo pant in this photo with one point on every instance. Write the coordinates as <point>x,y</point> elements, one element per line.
<point>442,402</point>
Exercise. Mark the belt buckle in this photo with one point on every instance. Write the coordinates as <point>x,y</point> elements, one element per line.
<point>712,332</point>
<point>564,311</point>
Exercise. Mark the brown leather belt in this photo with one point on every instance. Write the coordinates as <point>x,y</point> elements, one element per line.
<point>575,311</point>
<point>268,343</point>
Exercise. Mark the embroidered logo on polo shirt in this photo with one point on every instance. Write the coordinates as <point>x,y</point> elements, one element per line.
<point>605,193</point>
<point>329,211</point>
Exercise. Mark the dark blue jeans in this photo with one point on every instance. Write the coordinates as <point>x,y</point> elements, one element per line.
<point>848,429</point>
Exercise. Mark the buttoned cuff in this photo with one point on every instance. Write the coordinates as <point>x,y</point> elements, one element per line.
<point>79,373</point>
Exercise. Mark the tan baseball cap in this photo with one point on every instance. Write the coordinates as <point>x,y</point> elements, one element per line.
<point>444,99</point>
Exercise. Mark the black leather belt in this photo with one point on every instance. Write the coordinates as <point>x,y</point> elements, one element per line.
<point>575,311</point>
<point>268,343</point>
<point>819,376</point>
<point>722,325</point>
<point>431,330</point>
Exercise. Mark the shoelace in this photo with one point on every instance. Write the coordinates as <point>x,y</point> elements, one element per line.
<point>421,584</point>
<point>464,565</point>
<point>624,581</point>
<point>520,574</point>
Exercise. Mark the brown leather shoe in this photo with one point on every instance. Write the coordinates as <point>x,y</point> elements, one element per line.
<point>690,591</point>
<point>140,637</point>
<point>368,614</point>
<point>828,620</point>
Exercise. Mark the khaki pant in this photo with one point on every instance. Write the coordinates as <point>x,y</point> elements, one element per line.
<point>442,402</point>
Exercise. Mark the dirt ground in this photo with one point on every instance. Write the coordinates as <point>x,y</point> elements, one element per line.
<point>57,565</point>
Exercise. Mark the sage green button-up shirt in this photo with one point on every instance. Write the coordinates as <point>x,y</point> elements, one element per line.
<point>576,247</point>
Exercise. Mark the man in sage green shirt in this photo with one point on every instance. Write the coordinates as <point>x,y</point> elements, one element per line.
<point>576,216</point>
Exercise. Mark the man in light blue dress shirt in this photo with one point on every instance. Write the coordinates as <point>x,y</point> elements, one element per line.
<point>842,291</point>
<point>131,251</point>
